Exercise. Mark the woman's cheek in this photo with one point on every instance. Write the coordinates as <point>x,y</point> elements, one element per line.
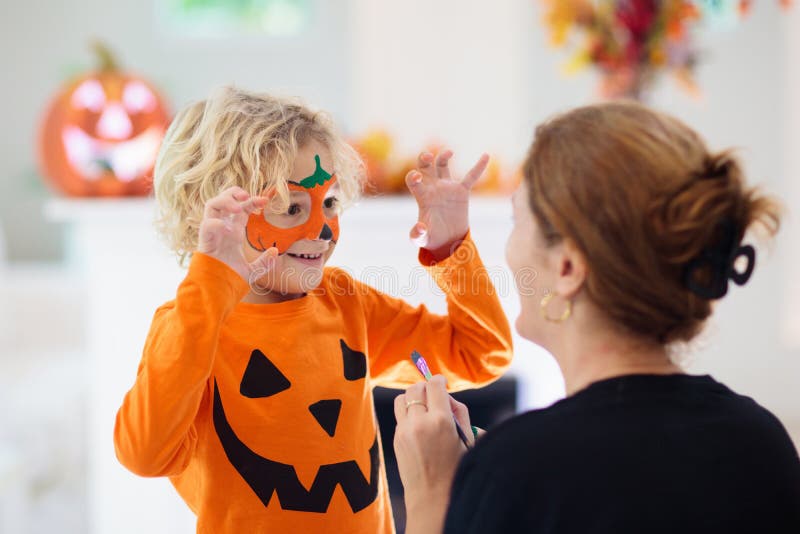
<point>512,248</point>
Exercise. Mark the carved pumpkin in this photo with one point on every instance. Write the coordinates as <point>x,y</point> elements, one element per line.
<point>101,133</point>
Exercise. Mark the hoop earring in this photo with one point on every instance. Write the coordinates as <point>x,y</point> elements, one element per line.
<point>564,315</point>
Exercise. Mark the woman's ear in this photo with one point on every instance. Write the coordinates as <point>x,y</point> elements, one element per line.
<point>570,269</point>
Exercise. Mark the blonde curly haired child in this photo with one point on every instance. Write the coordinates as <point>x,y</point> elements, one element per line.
<point>254,392</point>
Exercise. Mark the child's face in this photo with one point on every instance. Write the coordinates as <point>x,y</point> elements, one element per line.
<point>306,233</point>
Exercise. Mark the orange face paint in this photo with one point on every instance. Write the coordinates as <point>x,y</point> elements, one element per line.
<point>262,235</point>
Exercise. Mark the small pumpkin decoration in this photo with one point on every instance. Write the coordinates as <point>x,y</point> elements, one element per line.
<point>395,178</point>
<point>497,180</point>
<point>101,133</point>
<point>386,167</point>
<point>376,150</point>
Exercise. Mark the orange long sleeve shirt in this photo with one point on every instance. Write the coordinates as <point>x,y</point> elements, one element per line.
<point>262,414</point>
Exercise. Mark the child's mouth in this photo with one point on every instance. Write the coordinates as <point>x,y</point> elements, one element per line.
<point>308,259</point>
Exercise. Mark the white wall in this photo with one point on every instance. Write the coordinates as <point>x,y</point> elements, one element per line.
<point>446,70</point>
<point>790,291</point>
<point>791,176</point>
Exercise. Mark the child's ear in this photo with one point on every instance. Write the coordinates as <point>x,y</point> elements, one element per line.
<point>570,269</point>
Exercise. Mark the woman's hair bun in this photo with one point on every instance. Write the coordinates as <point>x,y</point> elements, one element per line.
<point>659,217</point>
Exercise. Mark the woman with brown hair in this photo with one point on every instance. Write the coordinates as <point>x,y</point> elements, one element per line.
<point>633,229</point>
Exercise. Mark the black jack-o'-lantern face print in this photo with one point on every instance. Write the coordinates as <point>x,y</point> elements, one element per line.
<point>265,476</point>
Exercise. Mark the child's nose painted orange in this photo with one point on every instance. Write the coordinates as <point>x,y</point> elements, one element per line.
<point>261,234</point>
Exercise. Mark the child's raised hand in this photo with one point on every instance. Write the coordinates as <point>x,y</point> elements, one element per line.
<point>222,231</point>
<point>443,201</point>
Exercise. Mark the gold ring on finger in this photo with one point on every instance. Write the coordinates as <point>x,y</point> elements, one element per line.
<point>413,402</point>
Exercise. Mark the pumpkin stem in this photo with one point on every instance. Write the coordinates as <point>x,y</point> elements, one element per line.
<point>106,60</point>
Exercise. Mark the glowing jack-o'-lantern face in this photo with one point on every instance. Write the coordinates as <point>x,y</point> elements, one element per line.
<point>262,381</point>
<point>101,135</point>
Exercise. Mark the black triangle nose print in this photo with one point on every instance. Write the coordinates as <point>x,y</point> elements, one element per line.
<point>355,362</point>
<point>326,233</point>
<point>262,378</point>
<point>326,412</point>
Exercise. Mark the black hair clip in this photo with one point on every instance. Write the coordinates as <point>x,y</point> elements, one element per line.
<point>720,260</point>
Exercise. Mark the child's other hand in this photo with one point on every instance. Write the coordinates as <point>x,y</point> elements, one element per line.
<point>443,201</point>
<point>222,231</point>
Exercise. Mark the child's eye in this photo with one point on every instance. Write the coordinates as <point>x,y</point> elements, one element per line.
<point>331,202</point>
<point>294,209</point>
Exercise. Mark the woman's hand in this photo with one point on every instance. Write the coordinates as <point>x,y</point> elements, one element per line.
<point>428,450</point>
<point>222,231</point>
<point>443,202</point>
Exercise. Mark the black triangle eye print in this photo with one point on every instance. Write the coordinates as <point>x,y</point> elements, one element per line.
<point>326,412</point>
<point>261,378</point>
<point>355,362</point>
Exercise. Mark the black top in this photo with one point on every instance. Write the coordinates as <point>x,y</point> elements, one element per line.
<point>634,454</point>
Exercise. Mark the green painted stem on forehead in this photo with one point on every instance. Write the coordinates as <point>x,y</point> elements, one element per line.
<point>319,177</point>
